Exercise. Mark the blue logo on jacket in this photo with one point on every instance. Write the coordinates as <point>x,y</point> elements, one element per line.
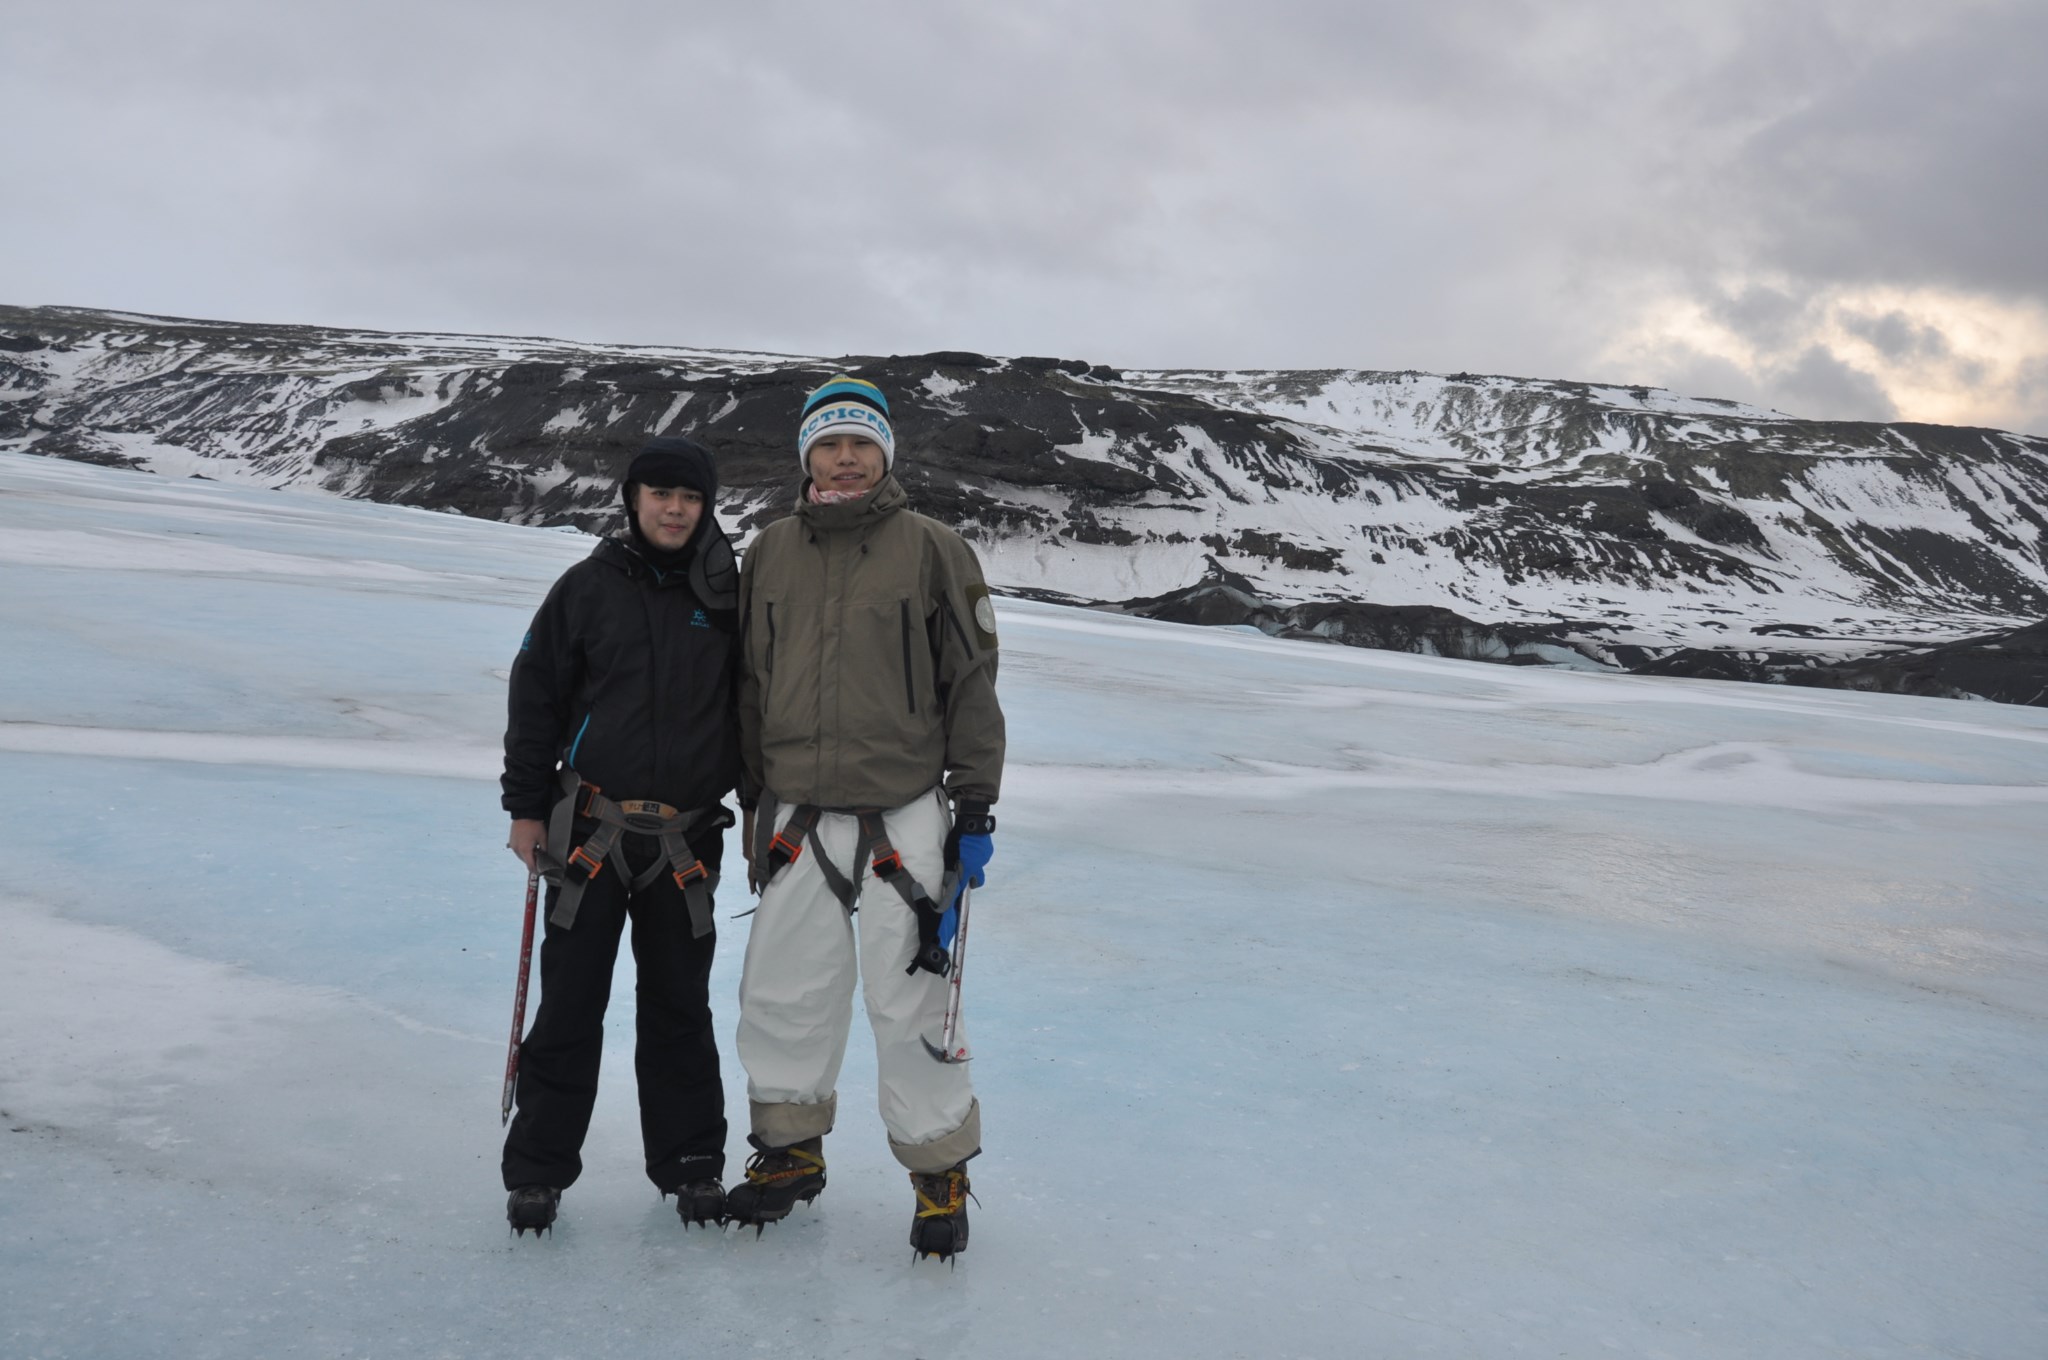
<point>699,620</point>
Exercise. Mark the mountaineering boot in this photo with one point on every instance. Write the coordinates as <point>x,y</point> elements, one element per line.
<point>939,1227</point>
<point>777,1177</point>
<point>532,1206</point>
<point>701,1203</point>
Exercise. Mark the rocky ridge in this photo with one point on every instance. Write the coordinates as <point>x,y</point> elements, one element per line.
<point>1530,521</point>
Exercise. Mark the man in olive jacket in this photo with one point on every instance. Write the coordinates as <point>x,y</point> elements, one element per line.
<point>867,712</point>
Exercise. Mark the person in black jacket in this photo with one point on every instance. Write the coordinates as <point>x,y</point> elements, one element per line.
<point>621,743</point>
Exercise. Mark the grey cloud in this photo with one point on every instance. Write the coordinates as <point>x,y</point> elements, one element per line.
<point>1924,161</point>
<point>1897,336</point>
<point>1492,185</point>
<point>1769,317</point>
<point>2031,390</point>
<point>1821,384</point>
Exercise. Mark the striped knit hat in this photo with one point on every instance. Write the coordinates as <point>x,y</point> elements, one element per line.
<point>843,405</point>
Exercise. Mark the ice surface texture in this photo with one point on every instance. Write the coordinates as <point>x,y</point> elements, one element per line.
<point>1327,1002</point>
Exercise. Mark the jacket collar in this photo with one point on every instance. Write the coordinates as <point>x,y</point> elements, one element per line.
<point>711,572</point>
<point>886,499</point>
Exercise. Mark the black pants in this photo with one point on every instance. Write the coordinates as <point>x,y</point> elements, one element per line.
<point>682,1099</point>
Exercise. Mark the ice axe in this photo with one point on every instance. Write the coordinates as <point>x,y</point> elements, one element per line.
<point>519,996</point>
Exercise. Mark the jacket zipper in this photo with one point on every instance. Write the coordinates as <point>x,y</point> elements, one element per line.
<point>909,676</point>
<point>769,664</point>
<point>574,746</point>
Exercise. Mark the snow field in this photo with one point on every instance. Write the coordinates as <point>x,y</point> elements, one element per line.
<point>1326,1002</point>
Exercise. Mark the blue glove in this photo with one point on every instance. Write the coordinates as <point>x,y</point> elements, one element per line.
<point>970,845</point>
<point>974,852</point>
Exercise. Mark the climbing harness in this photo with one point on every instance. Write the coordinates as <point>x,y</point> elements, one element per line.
<point>776,850</point>
<point>574,870</point>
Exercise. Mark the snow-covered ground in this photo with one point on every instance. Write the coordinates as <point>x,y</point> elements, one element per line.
<point>1326,1002</point>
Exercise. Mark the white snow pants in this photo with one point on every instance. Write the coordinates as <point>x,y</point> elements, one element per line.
<point>796,996</point>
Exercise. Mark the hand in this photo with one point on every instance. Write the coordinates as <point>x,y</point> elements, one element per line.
<point>529,834</point>
<point>970,845</point>
<point>972,853</point>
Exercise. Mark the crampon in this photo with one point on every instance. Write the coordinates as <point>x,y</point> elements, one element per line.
<point>939,1227</point>
<point>532,1207</point>
<point>777,1178</point>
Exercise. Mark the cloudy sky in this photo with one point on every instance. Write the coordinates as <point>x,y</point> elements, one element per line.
<point>1833,207</point>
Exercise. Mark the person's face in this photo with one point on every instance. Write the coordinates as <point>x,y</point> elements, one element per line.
<point>667,515</point>
<point>846,462</point>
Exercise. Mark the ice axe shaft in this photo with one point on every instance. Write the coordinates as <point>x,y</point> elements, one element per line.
<point>519,996</point>
<point>950,1049</point>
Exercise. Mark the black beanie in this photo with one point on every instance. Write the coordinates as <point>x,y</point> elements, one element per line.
<point>672,461</point>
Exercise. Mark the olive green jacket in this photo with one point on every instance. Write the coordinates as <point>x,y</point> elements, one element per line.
<point>869,659</point>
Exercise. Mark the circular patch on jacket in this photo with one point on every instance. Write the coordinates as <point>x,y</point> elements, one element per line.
<point>985,615</point>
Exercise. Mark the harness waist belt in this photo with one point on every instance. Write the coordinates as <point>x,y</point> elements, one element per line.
<point>573,870</point>
<point>775,850</point>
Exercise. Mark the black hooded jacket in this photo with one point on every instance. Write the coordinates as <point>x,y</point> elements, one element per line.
<point>626,677</point>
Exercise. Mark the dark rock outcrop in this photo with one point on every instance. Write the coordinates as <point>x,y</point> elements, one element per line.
<point>2008,667</point>
<point>1427,630</point>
